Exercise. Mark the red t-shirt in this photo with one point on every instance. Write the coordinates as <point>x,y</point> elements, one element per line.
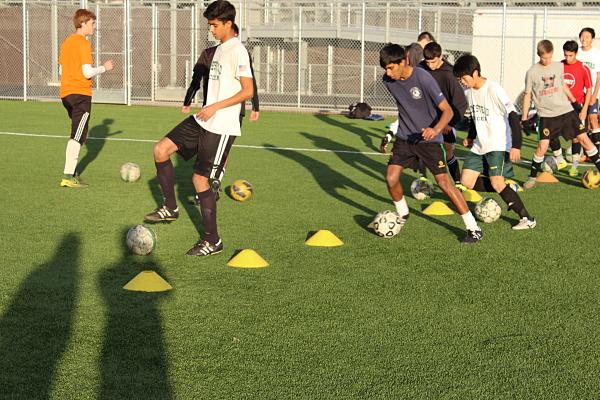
<point>578,78</point>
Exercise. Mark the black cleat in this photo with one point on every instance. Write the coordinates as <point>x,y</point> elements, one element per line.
<point>204,248</point>
<point>472,237</point>
<point>161,214</point>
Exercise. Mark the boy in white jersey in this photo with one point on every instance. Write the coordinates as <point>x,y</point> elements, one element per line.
<point>494,138</point>
<point>544,84</point>
<point>590,56</point>
<point>210,133</point>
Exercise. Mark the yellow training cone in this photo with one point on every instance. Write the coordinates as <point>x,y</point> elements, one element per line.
<point>247,258</point>
<point>324,238</point>
<point>148,281</point>
<point>438,208</point>
<point>546,177</point>
<point>471,195</point>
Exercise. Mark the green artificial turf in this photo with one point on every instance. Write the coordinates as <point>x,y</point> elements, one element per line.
<point>419,316</point>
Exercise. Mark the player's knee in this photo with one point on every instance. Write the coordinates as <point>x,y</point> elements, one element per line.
<point>469,184</point>
<point>498,184</point>
<point>160,152</point>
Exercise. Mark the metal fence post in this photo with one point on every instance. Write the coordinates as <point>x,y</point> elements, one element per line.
<point>25,49</point>
<point>503,43</point>
<point>362,53</point>
<point>420,19</point>
<point>299,52</point>
<point>545,22</point>
<point>54,39</point>
<point>153,55</point>
<point>128,65</point>
<point>97,41</point>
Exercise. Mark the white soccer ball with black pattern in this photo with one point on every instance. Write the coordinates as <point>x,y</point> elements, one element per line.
<point>387,224</point>
<point>421,189</point>
<point>488,210</point>
<point>141,240</point>
<point>130,172</point>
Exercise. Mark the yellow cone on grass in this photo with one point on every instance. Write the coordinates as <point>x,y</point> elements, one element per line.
<point>324,238</point>
<point>148,281</point>
<point>248,258</point>
<point>471,196</point>
<point>546,177</point>
<point>438,208</point>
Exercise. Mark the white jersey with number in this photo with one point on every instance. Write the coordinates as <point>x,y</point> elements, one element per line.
<point>490,106</point>
<point>229,64</point>
<point>591,59</point>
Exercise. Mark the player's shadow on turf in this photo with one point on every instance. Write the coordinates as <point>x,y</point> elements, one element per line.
<point>133,361</point>
<point>331,181</point>
<point>36,327</point>
<point>351,156</point>
<point>96,140</point>
<point>370,139</point>
<point>184,190</point>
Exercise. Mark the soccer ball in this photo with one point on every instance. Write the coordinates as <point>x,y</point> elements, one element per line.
<point>421,189</point>
<point>549,164</point>
<point>241,190</point>
<point>513,185</point>
<point>591,179</point>
<point>487,210</point>
<point>141,240</point>
<point>130,172</point>
<point>387,224</point>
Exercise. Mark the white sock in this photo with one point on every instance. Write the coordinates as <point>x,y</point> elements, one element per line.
<point>71,156</point>
<point>401,207</point>
<point>592,152</point>
<point>470,222</point>
<point>576,160</point>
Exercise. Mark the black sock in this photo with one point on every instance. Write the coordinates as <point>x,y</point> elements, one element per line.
<point>483,184</point>
<point>514,202</point>
<point>595,136</point>
<point>454,169</point>
<point>208,207</point>
<point>166,178</point>
<point>596,160</point>
<point>422,169</point>
<point>575,148</point>
<point>555,144</point>
<point>536,167</point>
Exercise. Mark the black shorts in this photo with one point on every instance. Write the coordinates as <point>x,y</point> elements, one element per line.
<point>566,125</point>
<point>211,150</point>
<point>450,137</point>
<point>408,156</point>
<point>79,108</point>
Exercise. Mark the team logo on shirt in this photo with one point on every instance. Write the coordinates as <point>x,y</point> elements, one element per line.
<point>441,164</point>
<point>546,132</point>
<point>416,93</point>
<point>569,79</point>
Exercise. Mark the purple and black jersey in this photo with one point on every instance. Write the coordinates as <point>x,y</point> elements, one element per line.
<point>417,99</point>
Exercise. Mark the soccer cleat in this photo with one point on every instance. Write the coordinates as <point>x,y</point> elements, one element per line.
<point>525,223</point>
<point>73,182</point>
<point>460,187</point>
<point>204,248</point>
<point>561,165</point>
<point>574,172</point>
<point>473,236</point>
<point>530,183</point>
<point>162,214</point>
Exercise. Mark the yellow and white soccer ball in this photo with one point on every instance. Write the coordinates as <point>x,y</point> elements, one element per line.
<point>591,179</point>
<point>130,172</point>
<point>488,210</point>
<point>141,240</point>
<point>387,224</point>
<point>241,190</point>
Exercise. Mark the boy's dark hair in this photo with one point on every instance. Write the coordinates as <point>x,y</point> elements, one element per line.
<point>571,45</point>
<point>432,50</point>
<point>221,9</point>
<point>544,47</point>
<point>466,65</point>
<point>236,29</point>
<point>391,54</point>
<point>425,35</point>
<point>589,30</point>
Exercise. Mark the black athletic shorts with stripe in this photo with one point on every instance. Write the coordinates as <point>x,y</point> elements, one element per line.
<point>211,150</point>
<point>408,156</point>
<point>79,108</point>
<point>566,125</point>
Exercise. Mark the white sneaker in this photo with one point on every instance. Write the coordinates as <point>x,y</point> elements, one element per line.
<point>525,223</point>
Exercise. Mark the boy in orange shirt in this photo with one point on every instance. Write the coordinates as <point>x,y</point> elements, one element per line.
<point>75,61</point>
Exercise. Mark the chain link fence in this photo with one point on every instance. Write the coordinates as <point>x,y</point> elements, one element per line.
<point>319,55</point>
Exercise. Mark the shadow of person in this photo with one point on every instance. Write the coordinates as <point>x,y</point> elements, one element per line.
<point>133,361</point>
<point>366,136</point>
<point>331,181</point>
<point>37,325</point>
<point>351,156</point>
<point>95,142</point>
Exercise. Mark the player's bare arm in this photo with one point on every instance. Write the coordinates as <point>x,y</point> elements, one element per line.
<point>567,91</point>
<point>244,94</point>
<point>447,114</point>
